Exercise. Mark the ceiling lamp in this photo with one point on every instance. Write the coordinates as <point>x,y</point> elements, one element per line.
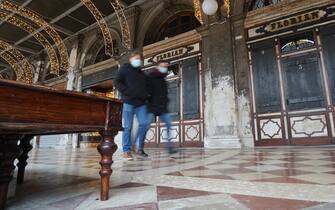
<point>210,7</point>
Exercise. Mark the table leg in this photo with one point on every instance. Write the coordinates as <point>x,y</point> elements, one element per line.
<point>21,165</point>
<point>9,151</point>
<point>106,148</point>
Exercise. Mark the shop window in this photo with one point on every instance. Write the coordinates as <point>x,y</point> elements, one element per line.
<point>173,71</point>
<point>187,87</point>
<point>303,84</point>
<point>328,42</point>
<point>297,42</point>
<point>190,89</point>
<point>256,4</point>
<point>174,99</point>
<point>266,82</point>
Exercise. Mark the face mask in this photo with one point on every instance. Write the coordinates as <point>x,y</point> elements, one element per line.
<point>136,63</point>
<point>163,70</point>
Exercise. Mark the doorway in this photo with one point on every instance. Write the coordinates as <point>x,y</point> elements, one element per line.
<point>289,91</point>
<point>185,106</point>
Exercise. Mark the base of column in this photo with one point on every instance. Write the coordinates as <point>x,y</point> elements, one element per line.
<point>65,142</point>
<point>222,142</point>
<point>247,142</point>
<point>12,188</point>
<point>58,146</point>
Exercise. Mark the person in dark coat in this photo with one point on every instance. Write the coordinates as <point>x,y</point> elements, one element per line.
<point>158,102</point>
<point>131,83</point>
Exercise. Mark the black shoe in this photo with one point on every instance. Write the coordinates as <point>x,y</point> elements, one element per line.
<point>142,154</point>
<point>171,150</point>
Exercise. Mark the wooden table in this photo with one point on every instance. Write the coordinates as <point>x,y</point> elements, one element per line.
<point>26,111</point>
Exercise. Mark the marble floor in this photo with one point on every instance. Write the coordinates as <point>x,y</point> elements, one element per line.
<point>259,179</point>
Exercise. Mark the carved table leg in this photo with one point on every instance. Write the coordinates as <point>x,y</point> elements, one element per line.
<point>9,151</point>
<point>25,147</point>
<point>106,148</point>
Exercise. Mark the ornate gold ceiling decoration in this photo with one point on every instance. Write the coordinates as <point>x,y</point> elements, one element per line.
<point>126,38</point>
<point>38,36</point>
<point>102,24</point>
<point>27,72</point>
<point>197,10</point>
<point>35,18</point>
<point>19,71</point>
<point>227,4</point>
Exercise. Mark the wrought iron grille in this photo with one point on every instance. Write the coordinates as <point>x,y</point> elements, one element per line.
<point>256,4</point>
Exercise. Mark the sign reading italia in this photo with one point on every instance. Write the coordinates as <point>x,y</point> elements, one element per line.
<point>172,54</point>
<point>289,22</point>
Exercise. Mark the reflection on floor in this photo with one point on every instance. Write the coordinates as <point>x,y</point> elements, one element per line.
<point>264,178</point>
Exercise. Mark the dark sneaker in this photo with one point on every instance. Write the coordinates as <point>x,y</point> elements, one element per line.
<point>128,156</point>
<point>172,150</point>
<point>142,154</point>
<point>133,149</point>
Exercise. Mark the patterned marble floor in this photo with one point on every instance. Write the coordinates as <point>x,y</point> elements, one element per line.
<point>265,178</point>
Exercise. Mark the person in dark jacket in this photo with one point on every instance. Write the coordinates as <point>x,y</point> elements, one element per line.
<point>131,83</point>
<point>158,102</point>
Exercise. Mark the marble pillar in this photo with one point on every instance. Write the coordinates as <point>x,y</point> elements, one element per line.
<point>37,71</point>
<point>73,83</point>
<point>241,65</point>
<point>221,110</point>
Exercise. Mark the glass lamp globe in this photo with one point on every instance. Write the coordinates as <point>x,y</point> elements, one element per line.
<point>209,7</point>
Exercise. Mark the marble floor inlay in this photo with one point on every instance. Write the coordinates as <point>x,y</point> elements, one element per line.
<point>282,178</point>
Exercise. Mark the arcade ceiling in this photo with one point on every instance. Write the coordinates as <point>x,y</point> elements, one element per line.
<point>65,17</point>
<point>28,27</point>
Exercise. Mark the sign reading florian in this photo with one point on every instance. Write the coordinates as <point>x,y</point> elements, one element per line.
<point>289,22</point>
<point>297,20</point>
<point>172,54</point>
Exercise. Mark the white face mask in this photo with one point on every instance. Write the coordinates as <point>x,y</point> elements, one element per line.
<point>136,63</point>
<point>163,70</point>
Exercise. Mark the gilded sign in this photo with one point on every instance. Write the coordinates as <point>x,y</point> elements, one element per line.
<point>296,20</point>
<point>172,54</point>
<point>293,21</point>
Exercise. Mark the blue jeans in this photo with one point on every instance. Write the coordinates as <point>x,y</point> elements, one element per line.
<point>166,119</point>
<point>129,111</point>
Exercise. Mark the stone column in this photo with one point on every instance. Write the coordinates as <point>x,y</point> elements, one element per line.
<point>70,85</point>
<point>37,71</point>
<point>242,81</point>
<point>73,83</point>
<point>221,112</point>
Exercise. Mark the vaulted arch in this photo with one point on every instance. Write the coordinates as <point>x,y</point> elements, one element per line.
<point>37,35</point>
<point>27,70</point>
<point>96,45</point>
<point>19,71</point>
<point>178,23</point>
<point>157,18</point>
<point>35,18</point>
